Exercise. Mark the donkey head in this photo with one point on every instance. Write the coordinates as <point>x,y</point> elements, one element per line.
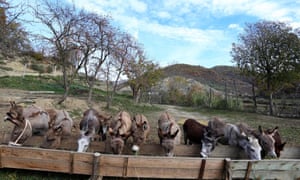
<point>52,139</point>
<point>140,129</point>
<point>168,140</point>
<point>208,143</point>
<point>22,129</point>
<point>267,142</point>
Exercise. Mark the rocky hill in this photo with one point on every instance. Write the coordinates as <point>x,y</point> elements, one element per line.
<point>217,77</point>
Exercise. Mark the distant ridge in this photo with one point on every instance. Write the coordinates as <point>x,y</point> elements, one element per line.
<point>215,77</point>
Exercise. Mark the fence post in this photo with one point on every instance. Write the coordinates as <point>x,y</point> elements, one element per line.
<point>95,171</point>
<point>227,169</point>
<point>248,170</point>
<point>202,168</point>
<point>71,163</point>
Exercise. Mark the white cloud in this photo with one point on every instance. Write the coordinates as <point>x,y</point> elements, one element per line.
<point>235,27</point>
<point>138,6</point>
<point>164,14</point>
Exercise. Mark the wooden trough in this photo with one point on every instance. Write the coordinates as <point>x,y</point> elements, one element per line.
<point>224,164</point>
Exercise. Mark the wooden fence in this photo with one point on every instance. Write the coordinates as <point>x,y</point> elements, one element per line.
<point>225,164</point>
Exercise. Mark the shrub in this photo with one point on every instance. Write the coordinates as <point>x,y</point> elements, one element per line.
<point>38,68</point>
<point>49,69</point>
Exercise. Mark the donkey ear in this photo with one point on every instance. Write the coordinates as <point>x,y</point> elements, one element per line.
<point>134,118</point>
<point>12,103</point>
<point>15,122</point>
<point>58,131</point>
<point>133,126</point>
<point>281,146</point>
<point>273,131</point>
<point>175,134</point>
<point>260,129</point>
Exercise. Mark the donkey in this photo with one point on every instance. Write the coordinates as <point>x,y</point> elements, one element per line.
<point>92,126</point>
<point>279,145</point>
<point>267,141</point>
<point>169,133</point>
<point>235,135</point>
<point>60,127</point>
<point>27,121</point>
<point>197,133</point>
<point>140,131</point>
<point>120,131</point>
<point>193,131</point>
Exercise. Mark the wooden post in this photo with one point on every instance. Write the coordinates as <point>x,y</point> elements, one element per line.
<point>71,163</point>
<point>95,172</point>
<point>125,167</point>
<point>248,170</point>
<point>202,168</point>
<point>228,173</point>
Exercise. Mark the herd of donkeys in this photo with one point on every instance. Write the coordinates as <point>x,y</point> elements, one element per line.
<point>55,125</point>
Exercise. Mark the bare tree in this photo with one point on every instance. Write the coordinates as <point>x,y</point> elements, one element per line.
<point>13,38</point>
<point>63,25</point>
<point>100,40</point>
<point>121,54</point>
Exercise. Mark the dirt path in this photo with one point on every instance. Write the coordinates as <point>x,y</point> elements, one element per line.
<point>181,115</point>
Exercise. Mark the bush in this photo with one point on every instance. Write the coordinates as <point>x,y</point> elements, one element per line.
<point>49,69</point>
<point>35,55</point>
<point>38,68</point>
<point>230,104</point>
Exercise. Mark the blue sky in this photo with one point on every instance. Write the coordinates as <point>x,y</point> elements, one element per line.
<point>196,32</point>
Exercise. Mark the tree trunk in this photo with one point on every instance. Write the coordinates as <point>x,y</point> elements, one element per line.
<point>108,101</point>
<point>65,84</point>
<point>136,94</point>
<point>66,94</point>
<point>271,110</point>
<point>254,97</point>
<point>89,100</point>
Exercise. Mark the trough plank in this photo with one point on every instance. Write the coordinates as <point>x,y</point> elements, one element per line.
<point>82,163</point>
<point>35,159</point>
<point>144,166</point>
<point>290,152</point>
<point>267,169</point>
<point>162,167</point>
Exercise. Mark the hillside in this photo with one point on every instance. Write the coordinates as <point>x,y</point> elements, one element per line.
<point>215,77</point>
<point>209,77</point>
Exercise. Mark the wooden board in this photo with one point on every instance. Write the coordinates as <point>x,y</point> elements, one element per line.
<point>162,167</point>
<point>35,159</point>
<point>266,169</point>
<point>145,166</point>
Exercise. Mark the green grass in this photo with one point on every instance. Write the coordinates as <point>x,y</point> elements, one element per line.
<point>31,83</point>
<point>78,88</point>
